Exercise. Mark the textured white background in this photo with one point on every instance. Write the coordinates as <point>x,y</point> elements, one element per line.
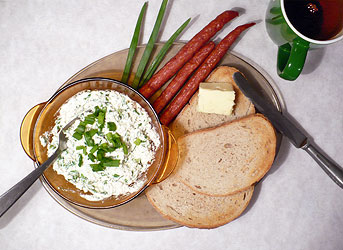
<point>43,43</point>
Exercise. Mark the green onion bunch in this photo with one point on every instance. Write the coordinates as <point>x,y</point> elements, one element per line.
<point>142,75</point>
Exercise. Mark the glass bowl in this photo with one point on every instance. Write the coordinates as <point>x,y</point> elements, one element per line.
<point>41,118</point>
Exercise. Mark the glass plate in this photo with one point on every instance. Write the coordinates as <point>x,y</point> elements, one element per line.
<point>139,215</point>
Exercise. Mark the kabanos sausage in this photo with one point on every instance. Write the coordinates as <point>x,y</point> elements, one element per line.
<point>181,77</point>
<point>186,53</point>
<point>200,75</point>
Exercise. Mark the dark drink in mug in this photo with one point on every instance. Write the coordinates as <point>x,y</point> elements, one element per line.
<point>299,25</point>
<point>317,19</point>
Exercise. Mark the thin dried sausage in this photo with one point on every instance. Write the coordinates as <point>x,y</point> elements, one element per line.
<point>181,77</point>
<point>186,53</point>
<point>200,75</point>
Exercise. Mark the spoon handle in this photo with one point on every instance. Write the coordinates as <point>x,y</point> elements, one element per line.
<point>13,194</point>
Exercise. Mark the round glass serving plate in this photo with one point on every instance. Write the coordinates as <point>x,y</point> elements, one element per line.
<point>138,214</point>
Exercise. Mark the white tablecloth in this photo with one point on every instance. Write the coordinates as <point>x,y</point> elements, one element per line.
<point>43,43</point>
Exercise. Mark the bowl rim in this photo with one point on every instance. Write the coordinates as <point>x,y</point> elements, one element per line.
<point>147,184</point>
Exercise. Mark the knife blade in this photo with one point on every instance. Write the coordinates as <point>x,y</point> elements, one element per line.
<point>286,127</point>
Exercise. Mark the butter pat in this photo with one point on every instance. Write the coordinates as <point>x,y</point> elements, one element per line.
<point>216,97</point>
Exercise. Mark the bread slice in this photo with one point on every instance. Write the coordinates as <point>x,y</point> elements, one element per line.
<point>177,202</point>
<point>190,119</point>
<point>228,158</point>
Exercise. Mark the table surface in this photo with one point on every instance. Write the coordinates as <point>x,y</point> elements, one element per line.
<point>43,43</point>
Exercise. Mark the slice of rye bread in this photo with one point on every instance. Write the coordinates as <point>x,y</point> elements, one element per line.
<point>228,158</point>
<point>190,119</point>
<point>177,202</point>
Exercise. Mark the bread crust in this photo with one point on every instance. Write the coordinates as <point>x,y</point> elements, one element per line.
<point>205,212</point>
<point>191,169</point>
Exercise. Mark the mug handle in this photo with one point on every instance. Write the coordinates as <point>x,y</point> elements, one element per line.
<point>171,156</point>
<point>291,59</point>
<point>27,128</point>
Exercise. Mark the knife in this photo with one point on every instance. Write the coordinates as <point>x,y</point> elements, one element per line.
<point>289,129</point>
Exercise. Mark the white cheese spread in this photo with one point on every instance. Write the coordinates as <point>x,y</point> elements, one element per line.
<point>128,155</point>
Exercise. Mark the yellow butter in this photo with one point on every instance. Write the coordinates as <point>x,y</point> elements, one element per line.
<point>216,97</point>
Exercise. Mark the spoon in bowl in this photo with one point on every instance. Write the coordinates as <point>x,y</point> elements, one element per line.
<point>13,194</point>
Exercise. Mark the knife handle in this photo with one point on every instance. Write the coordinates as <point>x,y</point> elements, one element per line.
<point>331,169</point>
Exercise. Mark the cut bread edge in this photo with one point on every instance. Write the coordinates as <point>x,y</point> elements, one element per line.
<point>219,218</point>
<point>268,162</point>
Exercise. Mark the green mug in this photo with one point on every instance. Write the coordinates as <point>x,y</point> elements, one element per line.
<point>293,45</point>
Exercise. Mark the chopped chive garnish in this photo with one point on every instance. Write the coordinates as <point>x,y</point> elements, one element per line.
<point>88,137</point>
<point>112,163</point>
<point>138,141</point>
<point>117,143</point>
<point>158,59</point>
<point>92,132</point>
<point>133,45</point>
<point>111,126</point>
<point>89,141</point>
<point>104,146</point>
<point>116,135</point>
<point>124,148</point>
<point>101,118</point>
<point>97,111</point>
<point>100,154</point>
<point>91,157</point>
<point>106,159</point>
<point>97,167</point>
<point>80,128</point>
<point>116,175</point>
<point>90,119</point>
<point>95,148</point>
<point>109,137</point>
<point>77,136</point>
<point>80,160</point>
<point>110,149</point>
<point>107,147</point>
<point>150,45</point>
<point>83,148</point>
